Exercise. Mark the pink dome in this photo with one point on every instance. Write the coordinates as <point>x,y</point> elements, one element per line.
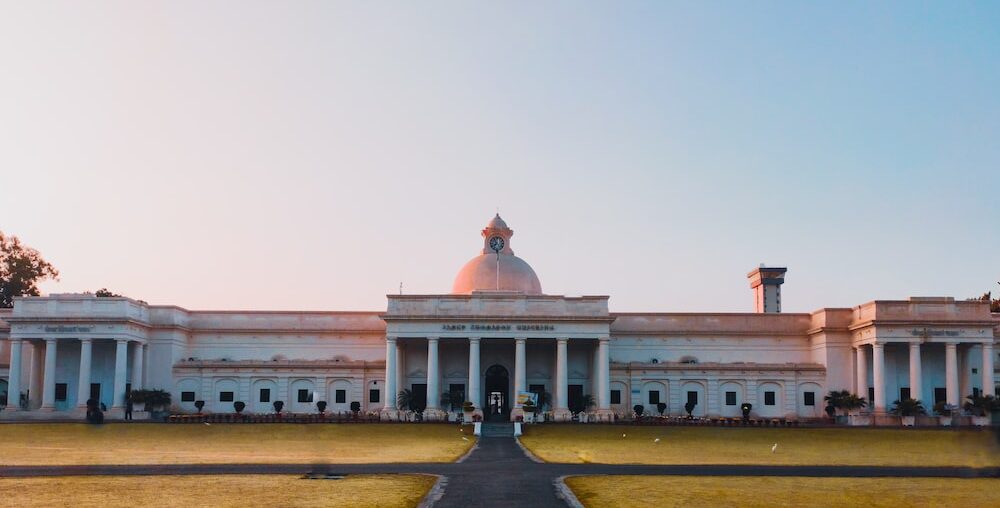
<point>480,274</point>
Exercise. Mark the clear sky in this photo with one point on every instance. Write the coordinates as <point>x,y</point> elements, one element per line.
<point>313,155</point>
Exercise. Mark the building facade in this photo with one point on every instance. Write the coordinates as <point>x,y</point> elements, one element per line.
<point>494,336</point>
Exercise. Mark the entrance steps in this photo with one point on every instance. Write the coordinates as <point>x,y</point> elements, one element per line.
<point>497,430</point>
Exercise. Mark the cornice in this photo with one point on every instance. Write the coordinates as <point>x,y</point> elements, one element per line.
<point>922,324</point>
<point>728,367</point>
<point>424,317</point>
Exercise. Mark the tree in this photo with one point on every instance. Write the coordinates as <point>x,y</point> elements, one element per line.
<point>405,399</point>
<point>21,268</point>
<point>105,293</point>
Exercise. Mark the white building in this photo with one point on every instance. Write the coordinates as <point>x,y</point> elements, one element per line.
<point>495,335</point>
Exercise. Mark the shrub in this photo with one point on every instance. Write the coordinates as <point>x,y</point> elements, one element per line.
<point>661,407</point>
<point>321,406</point>
<point>468,406</point>
<point>278,406</point>
<point>355,406</point>
<point>199,404</point>
<point>239,406</point>
<point>982,405</point>
<point>639,409</point>
<point>908,407</point>
<point>689,407</point>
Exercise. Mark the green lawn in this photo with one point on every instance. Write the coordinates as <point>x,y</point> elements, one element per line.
<point>61,444</point>
<point>215,491</point>
<point>695,491</point>
<point>710,445</point>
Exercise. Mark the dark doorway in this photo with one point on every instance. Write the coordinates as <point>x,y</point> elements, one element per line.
<point>497,394</point>
<point>419,401</point>
<point>575,394</point>
<point>95,392</point>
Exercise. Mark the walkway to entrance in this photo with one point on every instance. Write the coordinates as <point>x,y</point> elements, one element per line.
<point>498,473</point>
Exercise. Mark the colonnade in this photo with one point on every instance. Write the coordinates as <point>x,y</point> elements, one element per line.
<point>47,376</point>
<point>560,399</point>
<point>952,397</point>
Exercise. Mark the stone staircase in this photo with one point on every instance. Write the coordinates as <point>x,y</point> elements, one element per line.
<point>497,430</point>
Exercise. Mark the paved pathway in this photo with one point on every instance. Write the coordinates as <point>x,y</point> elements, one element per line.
<point>498,473</point>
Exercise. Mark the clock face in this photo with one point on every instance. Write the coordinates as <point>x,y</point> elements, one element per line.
<point>496,243</point>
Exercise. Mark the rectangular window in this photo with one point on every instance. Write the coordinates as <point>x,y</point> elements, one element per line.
<point>340,396</point>
<point>768,398</point>
<point>730,398</point>
<point>654,396</point>
<point>305,396</point>
<point>693,398</point>
<point>187,396</point>
<point>616,396</point>
<point>225,396</point>
<point>809,398</point>
<point>265,395</point>
<point>60,392</point>
<point>940,395</point>
<point>373,395</point>
<point>95,392</point>
<point>904,393</point>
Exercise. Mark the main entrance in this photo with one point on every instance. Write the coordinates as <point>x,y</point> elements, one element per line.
<point>497,390</point>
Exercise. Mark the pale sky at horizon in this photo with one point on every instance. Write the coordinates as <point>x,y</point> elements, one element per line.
<point>313,155</point>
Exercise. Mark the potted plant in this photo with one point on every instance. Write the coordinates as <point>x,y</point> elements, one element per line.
<point>907,410</point>
<point>945,412</point>
<point>467,409</point>
<point>661,407</point>
<point>199,404</point>
<point>239,406</point>
<point>638,409</point>
<point>853,404</point>
<point>689,407</point>
<point>321,406</point>
<point>355,408</point>
<point>745,409</point>
<point>278,406</point>
<point>980,407</point>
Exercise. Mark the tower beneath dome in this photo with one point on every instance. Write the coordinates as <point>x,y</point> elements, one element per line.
<point>480,273</point>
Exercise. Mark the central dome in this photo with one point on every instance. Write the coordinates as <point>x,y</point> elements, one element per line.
<point>480,273</point>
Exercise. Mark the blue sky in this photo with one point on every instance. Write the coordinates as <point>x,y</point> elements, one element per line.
<point>315,155</point>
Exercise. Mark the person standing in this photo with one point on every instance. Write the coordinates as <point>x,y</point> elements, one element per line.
<point>128,408</point>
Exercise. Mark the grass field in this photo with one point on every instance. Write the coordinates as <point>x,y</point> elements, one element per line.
<point>215,491</point>
<point>688,491</point>
<point>707,445</point>
<point>62,444</point>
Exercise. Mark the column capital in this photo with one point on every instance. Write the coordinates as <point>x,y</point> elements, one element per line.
<point>50,340</point>
<point>122,341</point>
<point>520,340</point>
<point>390,339</point>
<point>562,340</point>
<point>604,340</point>
<point>474,340</point>
<point>432,339</point>
<point>86,340</point>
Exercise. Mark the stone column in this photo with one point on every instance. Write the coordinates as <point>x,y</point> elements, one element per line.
<point>862,390</point>
<point>604,378</point>
<point>989,385</point>
<point>137,366</point>
<point>390,375</point>
<point>401,383</point>
<point>49,381</point>
<point>36,364</point>
<point>14,379</point>
<point>83,389</point>
<point>964,370</point>
<point>916,376</point>
<point>519,367</point>
<point>433,411</point>
<point>472,390</point>
<point>951,373</point>
<point>561,411</point>
<point>878,369</point>
<point>121,363</point>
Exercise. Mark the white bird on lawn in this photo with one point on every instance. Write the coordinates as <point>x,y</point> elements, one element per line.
<point>623,435</point>
<point>209,424</point>
<point>775,447</point>
<point>657,440</point>
<point>464,438</point>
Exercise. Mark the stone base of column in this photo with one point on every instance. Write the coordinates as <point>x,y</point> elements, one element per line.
<point>11,409</point>
<point>435,415</point>
<point>562,415</point>
<point>47,409</point>
<point>605,415</point>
